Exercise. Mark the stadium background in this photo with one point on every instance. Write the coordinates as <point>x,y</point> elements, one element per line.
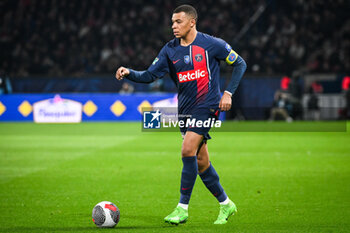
<point>297,54</point>
<point>71,46</point>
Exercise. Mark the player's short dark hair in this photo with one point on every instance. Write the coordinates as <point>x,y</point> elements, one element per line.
<point>188,9</point>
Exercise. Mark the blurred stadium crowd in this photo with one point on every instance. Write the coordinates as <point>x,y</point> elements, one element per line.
<point>77,38</point>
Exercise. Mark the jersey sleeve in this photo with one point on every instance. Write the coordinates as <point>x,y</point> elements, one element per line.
<point>224,51</point>
<point>160,66</point>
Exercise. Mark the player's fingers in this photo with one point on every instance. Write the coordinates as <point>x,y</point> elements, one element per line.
<point>222,106</point>
<point>123,72</point>
<point>120,76</point>
<point>227,107</point>
<point>126,72</point>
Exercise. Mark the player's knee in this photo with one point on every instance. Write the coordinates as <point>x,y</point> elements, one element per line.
<point>187,151</point>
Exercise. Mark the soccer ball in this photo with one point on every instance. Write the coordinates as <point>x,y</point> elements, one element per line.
<point>105,214</point>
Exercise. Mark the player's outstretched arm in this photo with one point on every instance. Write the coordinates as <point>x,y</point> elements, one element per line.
<point>133,75</point>
<point>239,68</point>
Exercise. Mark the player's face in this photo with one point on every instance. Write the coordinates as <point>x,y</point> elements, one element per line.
<point>182,24</point>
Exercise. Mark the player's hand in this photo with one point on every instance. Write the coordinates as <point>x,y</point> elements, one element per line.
<point>225,102</point>
<point>121,73</point>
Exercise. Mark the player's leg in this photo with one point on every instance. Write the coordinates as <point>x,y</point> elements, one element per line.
<point>211,180</point>
<point>190,168</point>
<point>209,175</point>
<point>203,157</point>
<point>188,176</point>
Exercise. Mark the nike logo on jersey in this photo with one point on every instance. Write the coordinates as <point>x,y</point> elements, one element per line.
<point>174,62</point>
<point>185,188</point>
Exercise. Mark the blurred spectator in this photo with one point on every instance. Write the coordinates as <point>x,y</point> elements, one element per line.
<point>313,109</point>
<point>5,85</point>
<point>127,88</point>
<point>281,107</point>
<point>295,95</point>
<point>157,85</point>
<point>75,38</point>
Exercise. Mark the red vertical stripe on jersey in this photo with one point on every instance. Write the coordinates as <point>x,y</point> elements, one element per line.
<point>202,83</point>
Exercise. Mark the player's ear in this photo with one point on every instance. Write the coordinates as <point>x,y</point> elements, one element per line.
<point>193,22</point>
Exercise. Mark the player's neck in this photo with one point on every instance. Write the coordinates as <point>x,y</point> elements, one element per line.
<point>190,37</point>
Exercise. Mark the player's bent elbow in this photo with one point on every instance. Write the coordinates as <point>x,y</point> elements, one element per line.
<point>244,65</point>
<point>240,62</point>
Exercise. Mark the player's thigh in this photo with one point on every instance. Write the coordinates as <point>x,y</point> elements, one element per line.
<point>190,144</point>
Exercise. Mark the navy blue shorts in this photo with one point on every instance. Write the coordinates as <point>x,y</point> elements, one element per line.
<point>207,116</point>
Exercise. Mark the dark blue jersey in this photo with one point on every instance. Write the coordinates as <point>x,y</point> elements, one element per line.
<point>195,69</point>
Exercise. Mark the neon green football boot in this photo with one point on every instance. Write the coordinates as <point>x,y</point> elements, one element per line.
<point>225,212</point>
<point>179,215</point>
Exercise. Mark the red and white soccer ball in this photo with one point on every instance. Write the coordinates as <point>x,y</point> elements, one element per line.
<point>105,214</point>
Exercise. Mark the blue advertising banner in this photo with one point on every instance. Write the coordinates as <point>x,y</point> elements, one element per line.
<point>93,106</point>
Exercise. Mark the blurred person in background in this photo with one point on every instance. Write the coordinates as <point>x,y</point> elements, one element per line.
<point>127,88</point>
<point>313,108</point>
<point>281,107</point>
<point>295,95</point>
<point>5,85</point>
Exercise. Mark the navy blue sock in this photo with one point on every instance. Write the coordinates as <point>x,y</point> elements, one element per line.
<point>188,178</point>
<point>211,180</point>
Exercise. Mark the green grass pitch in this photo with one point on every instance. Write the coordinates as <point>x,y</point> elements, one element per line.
<point>51,176</point>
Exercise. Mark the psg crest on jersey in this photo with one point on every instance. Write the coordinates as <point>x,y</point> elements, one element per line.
<point>198,57</point>
<point>187,59</point>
